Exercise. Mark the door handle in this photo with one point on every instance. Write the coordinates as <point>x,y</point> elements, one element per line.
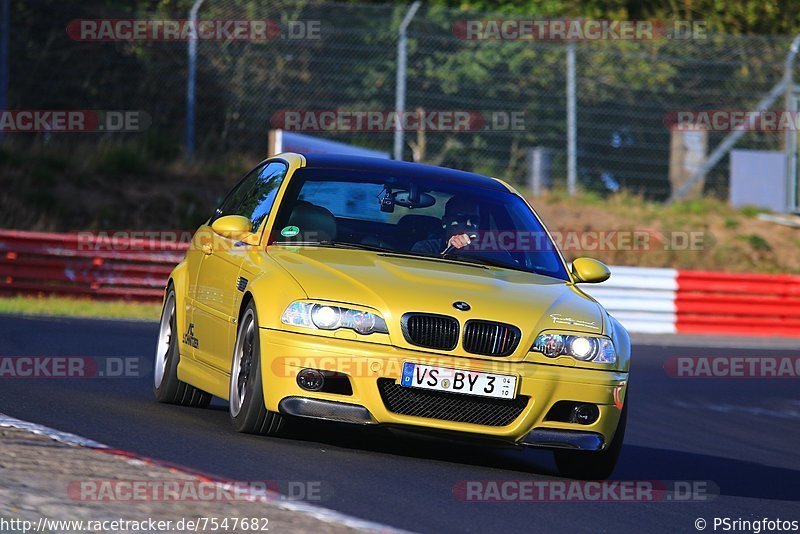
<point>207,249</point>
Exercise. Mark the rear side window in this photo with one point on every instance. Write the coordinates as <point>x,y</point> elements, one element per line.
<point>255,194</point>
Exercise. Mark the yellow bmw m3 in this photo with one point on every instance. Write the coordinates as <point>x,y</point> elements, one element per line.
<point>375,292</point>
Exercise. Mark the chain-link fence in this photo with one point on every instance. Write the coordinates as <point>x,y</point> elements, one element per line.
<point>625,88</point>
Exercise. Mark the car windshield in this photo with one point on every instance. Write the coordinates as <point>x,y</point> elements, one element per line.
<point>414,215</point>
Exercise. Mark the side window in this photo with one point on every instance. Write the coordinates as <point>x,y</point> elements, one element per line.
<point>234,198</point>
<point>257,203</point>
<point>255,194</point>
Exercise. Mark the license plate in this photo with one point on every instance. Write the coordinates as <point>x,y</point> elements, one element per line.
<point>481,384</point>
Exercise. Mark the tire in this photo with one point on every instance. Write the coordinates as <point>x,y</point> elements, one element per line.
<point>247,411</point>
<point>586,465</point>
<point>166,386</point>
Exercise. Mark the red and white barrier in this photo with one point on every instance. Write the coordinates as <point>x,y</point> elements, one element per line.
<point>664,301</point>
<point>751,304</point>
<point>642,299</point>
<point>84,265</point>
<point>701,302</point>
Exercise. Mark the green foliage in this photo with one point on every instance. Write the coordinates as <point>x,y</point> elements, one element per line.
<point>740,17</point>
<point>41,175</point>
<point>731,223</point>
<point>9,157</point>
<point>67,307</point>
<point>55,162</point>
<point>43,200</point>
<point>123,160</point>
<point>622,85</point>
<point>751,211</point>
<point>757,242</point>
<point>591,198</point>
<point>161,146</point>
<point>697,206</point>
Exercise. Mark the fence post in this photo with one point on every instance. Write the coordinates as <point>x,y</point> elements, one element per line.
<point>790,137</point>
<point>539,164</point>
<point>190,82</point>
<point>572,134</point>
<point>727,144</point>
<point>5,28</point>
<point>400,89</point>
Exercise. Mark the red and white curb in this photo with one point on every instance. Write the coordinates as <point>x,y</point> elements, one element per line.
<point>274,498</point>
<point>671,301</point>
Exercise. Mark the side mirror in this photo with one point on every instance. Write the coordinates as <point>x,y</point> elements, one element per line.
<point>235,227</point>
<point>589,271</point>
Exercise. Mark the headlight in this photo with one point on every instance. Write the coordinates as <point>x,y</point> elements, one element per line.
<point>327,317</point>
<point>584,348</point>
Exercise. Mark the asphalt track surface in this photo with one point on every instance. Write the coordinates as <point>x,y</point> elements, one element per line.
<point>741,435</point>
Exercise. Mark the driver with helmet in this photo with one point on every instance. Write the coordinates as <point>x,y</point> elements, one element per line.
<point>459,227</point>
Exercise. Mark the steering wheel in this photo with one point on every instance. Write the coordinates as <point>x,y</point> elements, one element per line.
<point>507,257</point>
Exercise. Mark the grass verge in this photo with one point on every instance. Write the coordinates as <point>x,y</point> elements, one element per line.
<point>67,307</point>
<point>704,234</point>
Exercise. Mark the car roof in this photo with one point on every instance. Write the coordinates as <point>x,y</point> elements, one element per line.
<point>390,166</point>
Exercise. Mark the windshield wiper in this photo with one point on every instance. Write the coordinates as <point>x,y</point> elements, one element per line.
<point>451,258</point>
<point>427,257</point>
<point>337,244</point>
<point>483,261</point>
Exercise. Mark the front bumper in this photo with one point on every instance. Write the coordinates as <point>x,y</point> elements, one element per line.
<point>284,354</point>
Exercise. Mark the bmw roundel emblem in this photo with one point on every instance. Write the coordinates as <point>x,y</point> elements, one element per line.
<point>461,305</point>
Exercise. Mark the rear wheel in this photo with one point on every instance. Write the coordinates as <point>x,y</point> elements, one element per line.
<point>166,386</point>
<point>247,410</point>
<point>587,465</point>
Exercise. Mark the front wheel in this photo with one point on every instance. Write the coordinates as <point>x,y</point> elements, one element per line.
<point>586,465</point>
<point>247,410</point>
<point>166,386</point>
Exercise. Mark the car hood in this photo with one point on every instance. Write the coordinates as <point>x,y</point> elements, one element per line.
<point>396,284</point>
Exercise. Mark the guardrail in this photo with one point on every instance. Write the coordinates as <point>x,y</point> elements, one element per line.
<point>754,304</point>
<point>643,299</point>
<point>84,265</point>
<point>701,302</point>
